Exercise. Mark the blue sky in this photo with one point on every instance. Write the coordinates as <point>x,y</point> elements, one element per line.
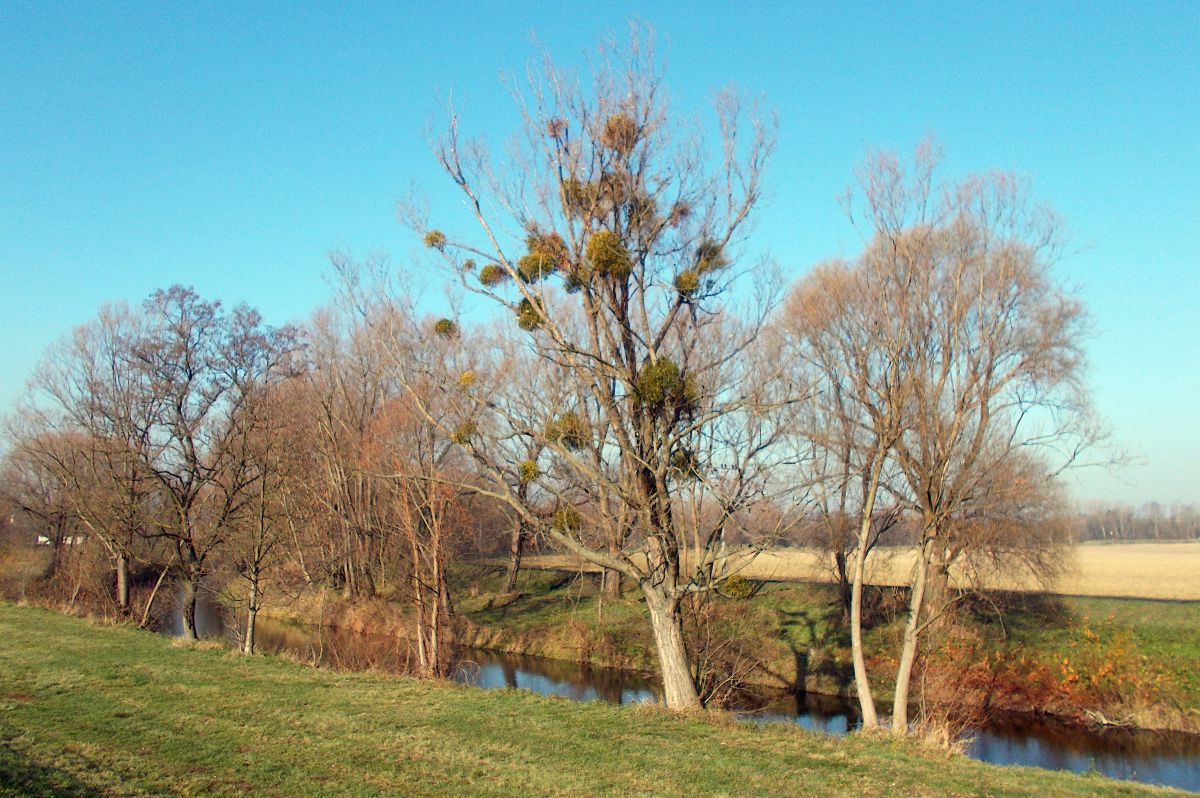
<point>231,146</point>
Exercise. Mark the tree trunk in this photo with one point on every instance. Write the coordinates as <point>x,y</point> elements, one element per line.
<point>123,583</point>
<point>679,690</point>
<point>516,548</point>
<point>937,594</point>
<point>610,584</point>
<point>844,586</point>
<point>610,580</point>
<point>187,607</point>
<point>912,632</point>
<point>251,615</point>
<point>862,682</point>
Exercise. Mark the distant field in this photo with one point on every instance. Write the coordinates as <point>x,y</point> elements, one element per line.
<point>1134,570</point>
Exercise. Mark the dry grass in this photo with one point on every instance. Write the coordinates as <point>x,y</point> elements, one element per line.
<point>1129,570</point>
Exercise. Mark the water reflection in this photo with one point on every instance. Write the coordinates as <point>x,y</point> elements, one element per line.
<point>1172,760</point>
<point>1007,740</point>
<point>818,713</point>
<point>489,669</point>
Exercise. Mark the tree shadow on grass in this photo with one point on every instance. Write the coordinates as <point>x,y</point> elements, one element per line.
<point>20,776</point>
<point>1004,612</point>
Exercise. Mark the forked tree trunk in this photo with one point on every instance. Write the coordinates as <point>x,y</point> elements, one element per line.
<point>516,546</point>
<point>679,691</point>
<point>912,633</point>
<point>418,599</point>
<point>862,681</point>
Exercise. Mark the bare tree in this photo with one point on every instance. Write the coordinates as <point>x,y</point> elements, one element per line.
<point>848,337</point>
<point>347,391</point>
<point>609,237</point>
<point>991,358</point>
<point>32,484</point>
<point>259,530</point>
<point>95,414</point>
<point>202,363</point>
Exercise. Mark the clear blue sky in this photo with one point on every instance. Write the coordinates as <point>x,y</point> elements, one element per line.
<point>230,147</point>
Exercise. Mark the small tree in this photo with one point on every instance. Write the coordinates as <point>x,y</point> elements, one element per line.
<point>258,531</point>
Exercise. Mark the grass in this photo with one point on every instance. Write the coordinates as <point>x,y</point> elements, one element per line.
<point>94,710</point>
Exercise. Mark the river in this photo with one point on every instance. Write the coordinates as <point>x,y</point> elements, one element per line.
<point>1152,758</point>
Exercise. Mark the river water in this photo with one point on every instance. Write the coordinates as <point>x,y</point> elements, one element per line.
<point>1172,760</point>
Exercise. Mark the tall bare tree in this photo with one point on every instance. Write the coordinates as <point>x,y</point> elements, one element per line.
<point>991,358</point>
<point>610,238</point>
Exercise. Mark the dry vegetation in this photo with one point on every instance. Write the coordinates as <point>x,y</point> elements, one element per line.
<point>1127,570</point>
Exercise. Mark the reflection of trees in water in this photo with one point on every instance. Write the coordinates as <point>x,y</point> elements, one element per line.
<point>554,677</point>
<point>1120,753</point>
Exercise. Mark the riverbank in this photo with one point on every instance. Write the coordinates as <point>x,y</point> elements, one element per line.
<point>1083,659</point>
<point>86,709</point>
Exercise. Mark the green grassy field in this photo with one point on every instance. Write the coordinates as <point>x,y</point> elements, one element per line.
<point>97,710</point>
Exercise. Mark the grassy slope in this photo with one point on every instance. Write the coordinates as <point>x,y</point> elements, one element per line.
<point>87,710</point>
<point>1127,658</point>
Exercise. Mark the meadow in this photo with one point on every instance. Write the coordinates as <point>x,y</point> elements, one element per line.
<point>91,710</point>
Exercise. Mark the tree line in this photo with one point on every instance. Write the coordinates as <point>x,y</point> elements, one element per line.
<point>623,381</point>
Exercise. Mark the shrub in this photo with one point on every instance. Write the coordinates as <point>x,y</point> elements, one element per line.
<point>578,197</point>
<point>620,134</point>
<point>567,519</point>
<point>684,464</point>
<point>658,381</point>
<point>687,282</point>
<point>710,257</point>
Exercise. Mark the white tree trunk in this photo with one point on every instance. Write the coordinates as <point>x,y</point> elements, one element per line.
<point>251,616</point>
<point>912,633</point>
<point>862,682</point>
